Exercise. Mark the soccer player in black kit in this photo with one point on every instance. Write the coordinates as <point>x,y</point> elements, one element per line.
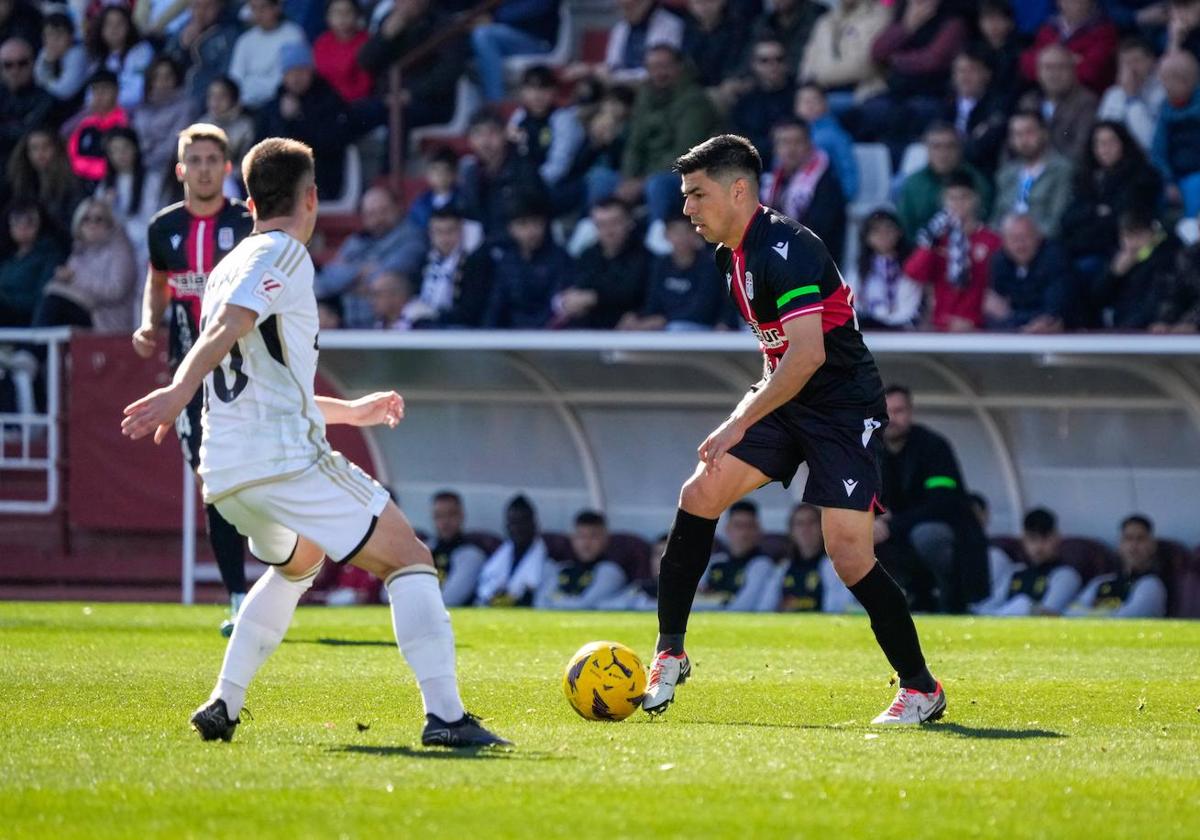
<point>186,240</point>
<point>819,402</point>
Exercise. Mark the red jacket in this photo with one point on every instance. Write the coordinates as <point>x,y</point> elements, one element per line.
<point>336,62</point>
<point>1094,45</point>
<point>928,266</point>
<point>85,146</point>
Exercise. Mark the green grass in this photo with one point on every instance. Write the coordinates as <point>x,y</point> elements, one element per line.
<point>1055,729</point>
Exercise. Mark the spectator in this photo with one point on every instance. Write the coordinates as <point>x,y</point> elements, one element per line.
<point>978,113</point>
<point>385,243</point>
<point>953,258</point>
<point>1068,108</point>
<point>306,108</point>
<point>256,60</point>
<point>130,190</point>
<point>1027,280</point>
<point>335,52</point>
<point>915,53</point>
<point>429,93</point>
<point>791,22</point>
<point>513,573</point>
<point>590,577</point>
<point>549,139</point>
<point>527,271</point>
<point>671,114</point>
<point>806,581</point>
<point>804,186</point>
<point>95,288</point>
<point>391,293</point>
<point>930,539</point>
<point>114,44</point>
<point>920,196</point>
<point>1000,45</point>
<point>441,174</point>
<point>1137,97</point>
<point>714,41</point>
<point>1138,590</point>
<point>1083,29</point>
<point>599,160</point>
<point>224,103</point>
<point>29,265</point>
<point>1113,178</point>
<point>457,558</point>
<point>613,275</point>
<point>39,171</point>
<point>885,298</point>
<point>516,27</point>
<point>769,99</point>
<point>838,56</point>
<point>1175,149</point>
<point>1036,180</point>
<point>493,176</point>
<point>643,25</point>
<point>1043,585</point>
<point>1000,565</point>
<point>20,20</point>
<point>1183,27</point>
<point>1131,293</point>
<point>62,64</point>
<point>85,131</point>
<point>205,46</point>
<point>167,110</point>
<point>1178,295</point>
<point>23,105</point>
<point>686,292</point>
<point>454,286</point>
<point>828,134</point>
<point>737,577</point>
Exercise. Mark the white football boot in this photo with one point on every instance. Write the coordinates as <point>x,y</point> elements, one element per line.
<point>666,672</point>
<point>912,706</point>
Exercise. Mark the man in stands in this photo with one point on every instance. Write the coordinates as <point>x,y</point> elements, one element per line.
<point>458,560</point>
<point>738,577</point>
<point>514,572</point>
<point>590,577</point>
<point>23,105</point>
<point>494,175</point>
<point>1138,590</point>
<point>920,196</point>
<point>1036,180</point>
<point>806,581</point>
<point>1044,585</point>
<point>454,288</point>
<point>526,271</point>
<point>613,274</point>
<point>803,184</point>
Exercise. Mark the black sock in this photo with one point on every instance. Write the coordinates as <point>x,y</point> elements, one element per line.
<point>893,626</point>
<point>229,549</point>
<point>689,548</point>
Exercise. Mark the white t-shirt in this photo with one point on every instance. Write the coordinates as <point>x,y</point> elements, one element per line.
<point>261,421</point>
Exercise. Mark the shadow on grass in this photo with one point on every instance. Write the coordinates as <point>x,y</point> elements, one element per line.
<point>443,754</point>
<point>943,727</point>
<point>325,640</point>
<point>990,732</point>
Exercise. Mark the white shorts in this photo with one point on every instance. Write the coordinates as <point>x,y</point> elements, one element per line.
<point>333,504</point>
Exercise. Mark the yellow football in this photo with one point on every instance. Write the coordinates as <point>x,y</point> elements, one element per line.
<point>605,681</point>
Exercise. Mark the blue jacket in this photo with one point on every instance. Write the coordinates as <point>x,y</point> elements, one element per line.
<point>1037,291</point>
<point>522,289</point>
<point>830,137</point>
<point>1176,146</point>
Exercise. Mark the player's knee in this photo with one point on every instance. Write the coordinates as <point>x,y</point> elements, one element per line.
<point>845,547</point>
<point>699,497</point>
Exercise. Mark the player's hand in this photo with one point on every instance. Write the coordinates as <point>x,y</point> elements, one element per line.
<point>726,436</point>
<point>382,407</point>
<point>155,412</point>
<point>144,341</point>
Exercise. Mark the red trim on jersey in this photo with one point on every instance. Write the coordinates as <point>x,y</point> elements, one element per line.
<point>808,310</point>
<point>838,310</point>
<point>739,271</point>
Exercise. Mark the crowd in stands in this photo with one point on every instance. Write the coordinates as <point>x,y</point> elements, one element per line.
<point>1045,153</point>
<point>933,540</point>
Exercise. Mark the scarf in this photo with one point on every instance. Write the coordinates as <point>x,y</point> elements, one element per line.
<point>792,194</point>
<point>958,246</point>
<point>437,284</point>
<point>882,284</point>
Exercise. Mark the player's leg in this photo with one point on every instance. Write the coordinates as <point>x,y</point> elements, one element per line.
<point>689,547</point>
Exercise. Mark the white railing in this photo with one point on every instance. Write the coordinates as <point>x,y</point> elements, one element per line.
<point>26,428</point>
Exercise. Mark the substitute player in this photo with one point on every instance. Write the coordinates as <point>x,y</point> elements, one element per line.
<point>186,240</point>
<point>820,402</point>
<point>268,468</point>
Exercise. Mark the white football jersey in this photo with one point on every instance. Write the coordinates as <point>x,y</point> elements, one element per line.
<point>261,422</point>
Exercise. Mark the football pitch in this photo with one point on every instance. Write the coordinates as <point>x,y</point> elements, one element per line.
<point>1054,729</point>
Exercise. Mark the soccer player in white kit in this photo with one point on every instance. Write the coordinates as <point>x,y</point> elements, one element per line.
<point>268,468</point>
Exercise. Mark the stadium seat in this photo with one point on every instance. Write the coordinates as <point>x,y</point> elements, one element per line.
<point>1089,557</point>
<point>874,178</point>
<point>593,46</point>
<point>467,99</point>
<point>1181,574</point>
<point>559,55</point>
<point>558,546</point>
<point>776,546</point>
<point>352,187</point>
<point>486,540</point>
<point>916,156</point>
<point>631,553</point>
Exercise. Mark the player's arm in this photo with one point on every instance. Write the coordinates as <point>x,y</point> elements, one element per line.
<point>804,356</point>
<point>155,298</point>
<point>382,407</point>
<point>156,411</point>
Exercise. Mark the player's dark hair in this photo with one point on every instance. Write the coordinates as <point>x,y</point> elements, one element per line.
<point>447,496</point>
<point>274,170</point>
<point>724,157</point>
<point>897,388</point>
<point>202,131</point>
<point>1040,522</point>
<point>744,506</point>
<point>1138,519</point>
<point>613,203</point>
<point>590,517</point>
<point>539,76</point>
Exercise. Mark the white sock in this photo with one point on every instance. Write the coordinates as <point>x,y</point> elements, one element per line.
<point>426,639</point>
<point>261,624</point>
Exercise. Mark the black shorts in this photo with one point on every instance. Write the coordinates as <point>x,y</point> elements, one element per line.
<point>842,453</point>
<point>189,431</point>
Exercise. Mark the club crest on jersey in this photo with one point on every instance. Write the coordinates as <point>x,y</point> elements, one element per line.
<point>175,240</point>
<point>269,288</point>
<point>750,285</point>
<point>225,238</point>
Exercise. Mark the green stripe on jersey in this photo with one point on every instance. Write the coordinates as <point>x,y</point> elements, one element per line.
<point>940,482</point>
<point>795,293</point>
